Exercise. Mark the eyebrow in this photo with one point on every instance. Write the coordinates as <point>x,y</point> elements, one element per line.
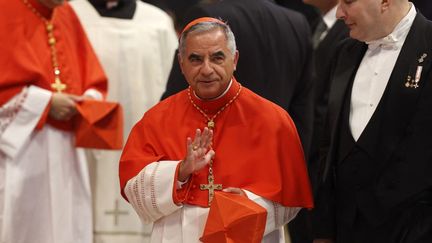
<point>194,56</point>
<point>197,56</point>
<point>218,54</point>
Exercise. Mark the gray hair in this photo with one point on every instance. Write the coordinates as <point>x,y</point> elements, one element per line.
<point>208,26</point>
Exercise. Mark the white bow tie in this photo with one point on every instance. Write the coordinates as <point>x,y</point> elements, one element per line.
<point>388,42</point>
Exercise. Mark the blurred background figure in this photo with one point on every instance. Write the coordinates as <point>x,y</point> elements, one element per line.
<point>135,43</point>
<point>276,55</point>
<point>175,8</point>
<point>328,32</point>
<point>311,13</point>
<point>48,67</point>
<point>425,7</point>
<point>326,37</point>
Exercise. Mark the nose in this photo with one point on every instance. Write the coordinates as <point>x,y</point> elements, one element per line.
<point>340,12</point>
<point>206,68</point>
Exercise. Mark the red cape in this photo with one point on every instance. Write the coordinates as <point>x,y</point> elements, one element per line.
<point>256,143</point>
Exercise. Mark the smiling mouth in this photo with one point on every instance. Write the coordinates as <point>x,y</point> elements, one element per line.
<point>206,81</point>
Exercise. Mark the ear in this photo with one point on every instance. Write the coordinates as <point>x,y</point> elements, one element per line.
<point>236,57</point>
<point>385,4</point>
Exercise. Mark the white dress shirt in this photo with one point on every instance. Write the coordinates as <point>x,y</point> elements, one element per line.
<point>374,72</point>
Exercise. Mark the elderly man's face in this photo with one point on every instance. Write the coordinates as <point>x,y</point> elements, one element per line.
<point>207,63</point>
<point>363,18</point>
<point>51,3</point>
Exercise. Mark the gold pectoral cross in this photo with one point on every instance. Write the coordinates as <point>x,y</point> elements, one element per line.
<point>211,187</point>
<point>58,85</point>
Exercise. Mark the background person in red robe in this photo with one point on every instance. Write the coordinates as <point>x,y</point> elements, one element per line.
<point>47,67</point>
<point>216,129</point>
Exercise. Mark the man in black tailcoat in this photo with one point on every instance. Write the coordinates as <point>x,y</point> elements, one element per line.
<point>376,182</point>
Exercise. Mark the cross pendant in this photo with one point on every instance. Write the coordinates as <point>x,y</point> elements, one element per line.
<point>58,85</point>
<point>211,187</point>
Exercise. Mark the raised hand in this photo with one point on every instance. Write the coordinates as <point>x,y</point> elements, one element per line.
<point>198,153</point>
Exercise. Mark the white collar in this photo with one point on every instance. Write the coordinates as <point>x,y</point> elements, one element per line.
<point>330,17</point>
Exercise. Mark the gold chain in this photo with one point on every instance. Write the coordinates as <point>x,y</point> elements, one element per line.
<point>49,27</point>
<point>211,187</point>
<point>210,121</point>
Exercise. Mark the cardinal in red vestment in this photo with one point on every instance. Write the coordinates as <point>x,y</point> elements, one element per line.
<point>214,136</point>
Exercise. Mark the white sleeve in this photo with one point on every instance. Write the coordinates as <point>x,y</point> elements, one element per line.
<point>277,215</point>
<point>19,116</point>
<point>95,94</point>
<point>151,192</point>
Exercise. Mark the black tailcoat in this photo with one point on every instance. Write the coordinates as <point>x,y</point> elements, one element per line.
<point>389,168</point>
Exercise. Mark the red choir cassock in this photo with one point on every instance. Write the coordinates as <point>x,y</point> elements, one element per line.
<point>256,143</point>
